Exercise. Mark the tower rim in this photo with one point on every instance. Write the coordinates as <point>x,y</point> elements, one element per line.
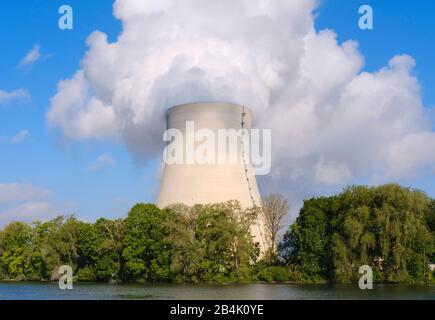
<point>198,103</point>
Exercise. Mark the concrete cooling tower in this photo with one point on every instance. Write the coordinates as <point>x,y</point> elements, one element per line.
<point>205,183</point>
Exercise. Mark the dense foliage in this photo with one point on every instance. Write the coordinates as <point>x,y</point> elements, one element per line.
<point>200,243</point>
<point>211,242</point>
<point>389,228</point>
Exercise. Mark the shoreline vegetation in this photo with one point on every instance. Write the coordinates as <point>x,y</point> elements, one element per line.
<point>389,227</point>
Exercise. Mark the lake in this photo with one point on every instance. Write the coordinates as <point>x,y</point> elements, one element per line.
<point>104,291</point>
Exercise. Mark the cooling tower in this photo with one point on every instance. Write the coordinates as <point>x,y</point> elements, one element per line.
<point>193,183</point>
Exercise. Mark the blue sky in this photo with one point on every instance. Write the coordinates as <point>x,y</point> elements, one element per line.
<point>77,181</point>
<point>400,26</point>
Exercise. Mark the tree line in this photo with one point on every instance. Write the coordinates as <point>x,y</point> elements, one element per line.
<point>389,228</point>
<point>179,243</point>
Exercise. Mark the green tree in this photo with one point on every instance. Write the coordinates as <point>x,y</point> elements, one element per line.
<point>110,262</point>
<point>308,240</point>
<point>15,249</point>
<point>211,242</point>
<point>387,227</point>
<point>430,220</point>
<point>186,251</point>
<point>223,230</point>
<point>56,243</point>
<point>146,252</point>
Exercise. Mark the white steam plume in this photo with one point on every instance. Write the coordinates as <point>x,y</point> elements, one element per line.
<point>332,124</point>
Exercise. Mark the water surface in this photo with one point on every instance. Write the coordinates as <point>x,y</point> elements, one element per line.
<point>98,291</point>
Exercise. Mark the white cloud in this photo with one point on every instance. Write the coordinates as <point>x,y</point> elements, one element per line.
<point>26,202</point>
<point>13,192</point>
<point>413,152</point>
<point>331,122</point>
<point>331,173</point>
<point>80,114</point>
<point>8,96</point>
<point>31,57</point>
<point>159,62</point>
<point>29,212</point>
<point>19,137</point>
<point>103,161</point>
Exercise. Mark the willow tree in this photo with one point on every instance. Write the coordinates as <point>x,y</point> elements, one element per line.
<point>386,227</point>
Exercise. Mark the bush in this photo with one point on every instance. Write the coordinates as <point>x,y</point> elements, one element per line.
<point>276,273</point>
<point>283,274</point>
<point>86,274</point>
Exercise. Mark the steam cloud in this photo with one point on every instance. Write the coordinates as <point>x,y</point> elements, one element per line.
<point>332,124</point>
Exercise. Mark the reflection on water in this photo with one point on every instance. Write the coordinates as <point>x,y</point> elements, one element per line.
<point>50,291</point>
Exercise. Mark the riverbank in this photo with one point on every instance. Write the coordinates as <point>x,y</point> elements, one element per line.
<point>230,282</point>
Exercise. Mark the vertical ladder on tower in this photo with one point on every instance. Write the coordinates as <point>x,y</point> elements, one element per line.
<point>243,122</point>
